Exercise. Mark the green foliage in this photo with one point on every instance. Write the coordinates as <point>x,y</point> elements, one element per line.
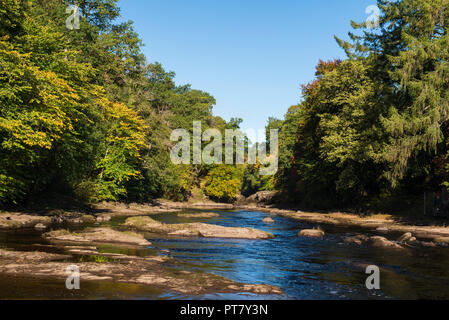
<point>253,181</point>
<point>223,183</point>
<point>411,73</point>
<point>375,124</point>
<point>81,110</point>
<point>338,137</point>
<point>96,259</point>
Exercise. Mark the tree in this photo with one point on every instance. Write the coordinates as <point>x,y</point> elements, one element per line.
<point>410,60</point>
<point>253,181</point>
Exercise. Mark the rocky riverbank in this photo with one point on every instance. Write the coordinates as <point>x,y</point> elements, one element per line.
<point>128,269</point>
<point>82,247</point>
<point>383,223</point>
<point>376,223</point>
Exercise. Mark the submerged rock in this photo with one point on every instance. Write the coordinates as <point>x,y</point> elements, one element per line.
<point>195,229</point>
<point>18,220</point>
<point>406,237</point>
<point>40,226</point>
<point>82,219</point>
<point>357,239</point>
<point>311,233</point>
<point>199,215</point>
<point>428,244</point>
<point>383,242</point>
<point>99,235</point>
<point>103,218</point>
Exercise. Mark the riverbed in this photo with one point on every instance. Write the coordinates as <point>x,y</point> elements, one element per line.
<point>303,268</point>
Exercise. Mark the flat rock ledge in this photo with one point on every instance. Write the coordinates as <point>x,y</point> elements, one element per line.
<point>117,209</point>
<point>195,229</point>
<point>12,220</point>
<point>311,233</point>
<point>199,215</point>
<point>138,271</point>
<point>382,223</point>
<point>195,205</point>
<point>98,235</point>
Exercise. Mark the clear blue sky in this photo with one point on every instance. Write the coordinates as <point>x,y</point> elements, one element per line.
<point>250,55</point>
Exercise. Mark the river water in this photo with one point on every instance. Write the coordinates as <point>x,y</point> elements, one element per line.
<point>303,268</point>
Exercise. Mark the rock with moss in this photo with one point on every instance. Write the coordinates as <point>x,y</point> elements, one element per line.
<point>195,229</point>
<point>82,219</point>
<point>199,215</point>
<point>442,240</point>
<point>98,235</point>
<point>19,220</point>
<point>311,233</point>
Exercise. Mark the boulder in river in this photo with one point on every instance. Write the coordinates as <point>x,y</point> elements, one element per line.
<point>383,229</point>
<point>427,244</point>
<point>375,241</point>
<point>268,220</point>
<point>357,239</point>
<point>195,229</point>
<point>311,233</point>
<point>444,240</point>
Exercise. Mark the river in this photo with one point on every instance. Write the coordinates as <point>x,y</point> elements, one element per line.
<point>303,268</point>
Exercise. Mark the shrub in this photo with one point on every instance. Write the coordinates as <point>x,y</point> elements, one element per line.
<point>223,183</point>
